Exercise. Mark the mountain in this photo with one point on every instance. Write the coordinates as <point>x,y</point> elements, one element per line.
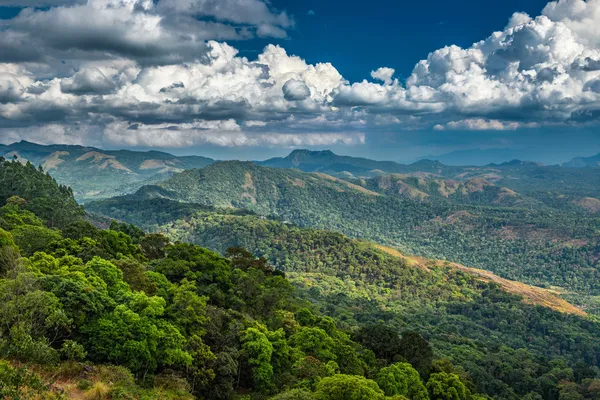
<point>422,185</point>
<point>346,166</point>
<point>490,227</point>
<point>321,161</point>
<point>119,312</point>
<point>580,162</point>
<point>480,157</point>
<point>94,173</point>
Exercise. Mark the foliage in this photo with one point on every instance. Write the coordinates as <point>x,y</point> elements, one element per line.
<point>401,379</point>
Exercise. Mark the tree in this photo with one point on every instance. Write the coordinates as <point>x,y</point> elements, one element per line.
<point>402,379</point>
<point>445,386</point>
<point>31,238</point>
<point>314,342</point>
<point>258,350</point>
<point>153,245</point>
<point>348,387</point>
<point>9,252</point>
<point>382,339</point>
<point>417,351</point>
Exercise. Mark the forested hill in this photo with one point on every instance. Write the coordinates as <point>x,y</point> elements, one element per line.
<point>537,245</point>
<point>468,321</point>
<point>94,173</point>
<point>119,313</point>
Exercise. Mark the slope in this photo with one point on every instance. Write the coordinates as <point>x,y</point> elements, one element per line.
<point>537,245</point>
<point>94,173</point>
<point>468,320</point>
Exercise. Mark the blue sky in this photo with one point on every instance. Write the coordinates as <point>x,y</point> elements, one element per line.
<point>252,79</point>
<point>358,37</point>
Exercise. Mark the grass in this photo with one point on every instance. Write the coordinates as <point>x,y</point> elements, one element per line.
<point>530,294</point>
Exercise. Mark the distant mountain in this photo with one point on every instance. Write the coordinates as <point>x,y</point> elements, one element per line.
<point>479,157</point>
<point>423,186</point>
<point>580,162</point>
<point>319,161</point>
<point>94,173</point>
<point>346,166</point>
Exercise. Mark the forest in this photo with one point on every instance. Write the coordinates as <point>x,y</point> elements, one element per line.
<point>117,313</point>
<point>542,245</point>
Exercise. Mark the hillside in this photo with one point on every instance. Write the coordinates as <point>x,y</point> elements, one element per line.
<point>580,162</point>
<point>534,244</point>
<point>422,186</point>
<point>120,314</point>
<point>94,173</point>
<point>290,248</point>
<point>463,316</point>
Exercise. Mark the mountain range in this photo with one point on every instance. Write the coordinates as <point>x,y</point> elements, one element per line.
<point>94,173</point>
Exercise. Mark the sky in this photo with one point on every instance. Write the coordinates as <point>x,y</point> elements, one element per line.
<point>251,79</point>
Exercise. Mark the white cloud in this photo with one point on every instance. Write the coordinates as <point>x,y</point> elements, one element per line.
<point>295,90</point>
<point>383,74</point>
<point>158,73</point>
<point>480,124</point>
<point>223,134</point>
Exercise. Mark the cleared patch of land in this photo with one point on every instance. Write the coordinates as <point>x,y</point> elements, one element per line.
<point>530,294</point>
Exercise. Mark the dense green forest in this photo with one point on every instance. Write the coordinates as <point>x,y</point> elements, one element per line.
<point>538,245</point>
<point>475,325</point>
<point>119,313</point>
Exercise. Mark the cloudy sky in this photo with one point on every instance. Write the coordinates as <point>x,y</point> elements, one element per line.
<point>256,78</point>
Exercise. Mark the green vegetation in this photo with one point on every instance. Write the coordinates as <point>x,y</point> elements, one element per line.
<point>170,319</point>
<point>302,314</point>
<point>541,246</point>
<point>490,335</point>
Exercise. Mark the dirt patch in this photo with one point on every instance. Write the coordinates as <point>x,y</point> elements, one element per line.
<point>53,160</point>
<point>477,185</point>
<point>249,188</point>
<point>346,183</point>
<point>156,164</point>
<point>112,163</point>
<point>590,204</point>
<point>298,182</point>
<point>505,193</point>
<point>530,294</point>
<point>94,155</point>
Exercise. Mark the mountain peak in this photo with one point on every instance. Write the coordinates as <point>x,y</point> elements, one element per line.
<point>306,152</point>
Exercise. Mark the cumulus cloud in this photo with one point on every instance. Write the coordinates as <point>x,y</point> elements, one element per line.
<point>480,124</point>
<point>143,72</point>
<point>165,32</point>
<point>295,90</point>
<point>218,133</point>
<point>383,74</point>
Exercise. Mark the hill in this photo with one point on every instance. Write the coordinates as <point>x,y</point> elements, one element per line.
<point>535,244</point>
<point>422,186</point>
<point>461,311</point>
<point>344,166</point>
<point>89,313</point>
<point>481,157</point>
<point>580,162</point>
<point>94,173</point>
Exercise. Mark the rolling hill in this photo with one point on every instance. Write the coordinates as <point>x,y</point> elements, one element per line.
<point>538,245</point>
<point>94,173</point>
